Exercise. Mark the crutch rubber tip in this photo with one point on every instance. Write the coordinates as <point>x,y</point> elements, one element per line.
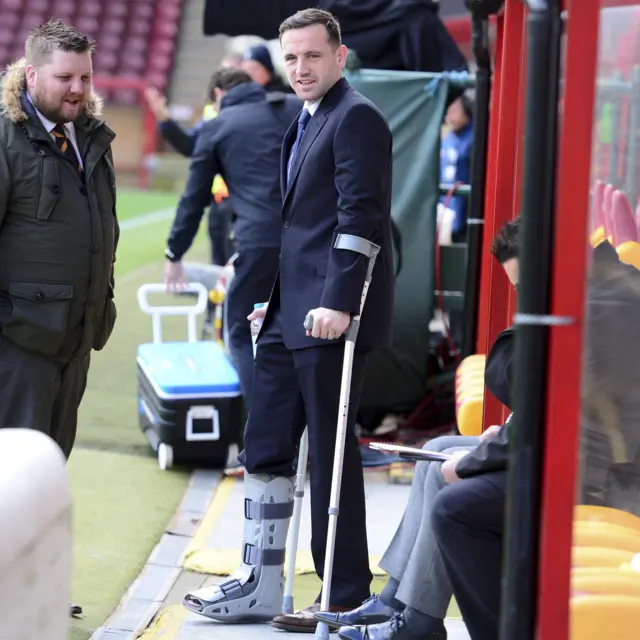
<point>322,631</point>
<point>287,605</point>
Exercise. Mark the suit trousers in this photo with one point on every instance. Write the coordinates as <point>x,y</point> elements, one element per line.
<point>38,393</point>
<point>468,521</point>
<point>255,271</point>
<point>413,558</point>
<point>292,389</point>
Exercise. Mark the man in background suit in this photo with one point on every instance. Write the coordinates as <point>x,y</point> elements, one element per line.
<point>336,178</point>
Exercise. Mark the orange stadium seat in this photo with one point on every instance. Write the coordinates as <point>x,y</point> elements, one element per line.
<point>136,38</point>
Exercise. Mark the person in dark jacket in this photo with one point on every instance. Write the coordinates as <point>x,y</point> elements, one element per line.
<point>58,233</point>
<point>468,516</point>
<point>257,62</point>
<point>474,502</point>
<point>220,216</point>
<point>243,145</point>
<point>414,602</point>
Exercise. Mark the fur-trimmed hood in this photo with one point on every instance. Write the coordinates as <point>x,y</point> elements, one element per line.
<point>14,83</point>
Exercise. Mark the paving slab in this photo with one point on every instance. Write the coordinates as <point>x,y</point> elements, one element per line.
<point>147,594</point>
<point>176,623</point>
<point>215,549</point>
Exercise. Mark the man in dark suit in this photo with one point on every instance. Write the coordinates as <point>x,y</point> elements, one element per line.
<point>336,179</point>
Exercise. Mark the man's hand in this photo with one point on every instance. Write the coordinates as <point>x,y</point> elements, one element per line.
<point>490,432</point>
<point>448,468</point>
<point>328,324</point>
<point>158,104</point>
<point>174,276</point>
<point>260,312</point>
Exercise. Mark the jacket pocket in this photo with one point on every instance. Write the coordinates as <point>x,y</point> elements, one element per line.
<point>104,326</point>
<point>49,188</point>
<point>39,317</point>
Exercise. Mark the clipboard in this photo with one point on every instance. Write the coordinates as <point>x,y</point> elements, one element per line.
<point>410,453</point>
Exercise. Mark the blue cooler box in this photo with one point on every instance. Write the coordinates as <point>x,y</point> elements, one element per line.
<point>190,403</point>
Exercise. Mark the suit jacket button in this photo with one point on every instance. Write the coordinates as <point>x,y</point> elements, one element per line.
<point>286,225</point>
<point>39,296</point>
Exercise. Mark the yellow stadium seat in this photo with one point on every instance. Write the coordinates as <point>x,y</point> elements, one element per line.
<point>615,583</point>
<point>596,617</point>
<point>469,391</point>
<point>600,557</point>
<point>605,534</point>
<point>629,252</point>
<point>469,417</point>
<point>597,236</point>
<point>606,514</point>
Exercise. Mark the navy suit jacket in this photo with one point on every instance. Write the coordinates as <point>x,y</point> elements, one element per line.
<point>340,183</point>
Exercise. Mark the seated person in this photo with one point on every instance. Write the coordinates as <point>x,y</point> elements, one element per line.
<point>610,437</point>
<point>468,516</point>
<point>414,602</point>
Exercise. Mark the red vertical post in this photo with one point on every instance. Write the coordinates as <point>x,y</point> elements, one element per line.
<point>570,261</point>
<point>502,178</point>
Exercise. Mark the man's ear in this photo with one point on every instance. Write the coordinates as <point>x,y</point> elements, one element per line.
<point>31,75</point>
<point>342,55</point>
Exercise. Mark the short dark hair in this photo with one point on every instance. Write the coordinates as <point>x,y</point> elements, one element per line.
<point>226,79</point>
<point>55,35</point>
<point>506,244</point>
<point>309,17</point>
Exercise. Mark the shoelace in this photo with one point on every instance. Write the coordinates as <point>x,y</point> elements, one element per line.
<point>397,622</point>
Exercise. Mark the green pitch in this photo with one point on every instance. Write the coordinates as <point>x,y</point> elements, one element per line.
<point>122,501</point>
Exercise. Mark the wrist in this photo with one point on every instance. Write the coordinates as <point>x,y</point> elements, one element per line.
<point>171,256</point>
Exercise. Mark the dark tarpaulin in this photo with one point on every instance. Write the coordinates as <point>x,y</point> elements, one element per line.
<point>414,105</point>
<point>386,34</point>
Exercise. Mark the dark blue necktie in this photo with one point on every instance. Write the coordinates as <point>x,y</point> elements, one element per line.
<point>303,121</point>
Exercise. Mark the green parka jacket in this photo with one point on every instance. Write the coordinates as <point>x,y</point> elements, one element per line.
<point>58,229</point>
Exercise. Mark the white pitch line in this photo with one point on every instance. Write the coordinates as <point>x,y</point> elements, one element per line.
<point>147,219</point>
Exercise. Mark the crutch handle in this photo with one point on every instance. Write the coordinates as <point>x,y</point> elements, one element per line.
<point>370,251</point>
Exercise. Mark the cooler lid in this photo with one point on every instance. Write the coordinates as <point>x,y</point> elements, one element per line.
<point>189,369</point>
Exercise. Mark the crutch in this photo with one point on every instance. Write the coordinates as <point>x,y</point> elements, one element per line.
<point>294,530</point>
<point>370,251</point>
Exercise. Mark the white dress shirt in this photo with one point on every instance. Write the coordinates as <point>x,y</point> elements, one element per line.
<point>68,127</point>
<point>312,107</point>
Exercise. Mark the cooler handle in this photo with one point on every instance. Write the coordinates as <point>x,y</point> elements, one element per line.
<point>156,312</point>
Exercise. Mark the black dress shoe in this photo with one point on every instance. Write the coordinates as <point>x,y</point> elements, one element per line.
<point>371,611</point>
<point>75,610</point>
<point>394,629</point>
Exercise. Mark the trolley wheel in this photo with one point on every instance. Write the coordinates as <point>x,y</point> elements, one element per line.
<point>165,456</point>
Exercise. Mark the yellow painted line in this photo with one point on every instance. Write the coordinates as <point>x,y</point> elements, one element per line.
<point>208,524</point>
<point>201,558</point>
<point>167,625</point>
<point>222,562</point>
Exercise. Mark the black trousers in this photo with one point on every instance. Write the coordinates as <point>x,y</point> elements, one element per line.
<point>292,389</point>
<point>36,393</point>
<point>219,226</point>
<point>255,273</point>
<point>468,522</point>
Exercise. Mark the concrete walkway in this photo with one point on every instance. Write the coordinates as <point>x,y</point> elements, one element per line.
<point>202,541</point>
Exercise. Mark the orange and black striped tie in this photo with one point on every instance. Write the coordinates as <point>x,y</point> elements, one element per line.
<point>64,144</point>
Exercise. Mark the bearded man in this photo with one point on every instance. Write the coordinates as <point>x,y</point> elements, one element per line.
<point>58,232</point>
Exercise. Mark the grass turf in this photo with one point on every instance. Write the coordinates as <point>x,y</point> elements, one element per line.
<point>122,501</point>
<point>132,203</point>
<point>122,504</point>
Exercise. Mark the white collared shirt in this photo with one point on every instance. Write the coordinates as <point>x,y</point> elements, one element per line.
<point>312,107</point>
<point>68,127</point>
